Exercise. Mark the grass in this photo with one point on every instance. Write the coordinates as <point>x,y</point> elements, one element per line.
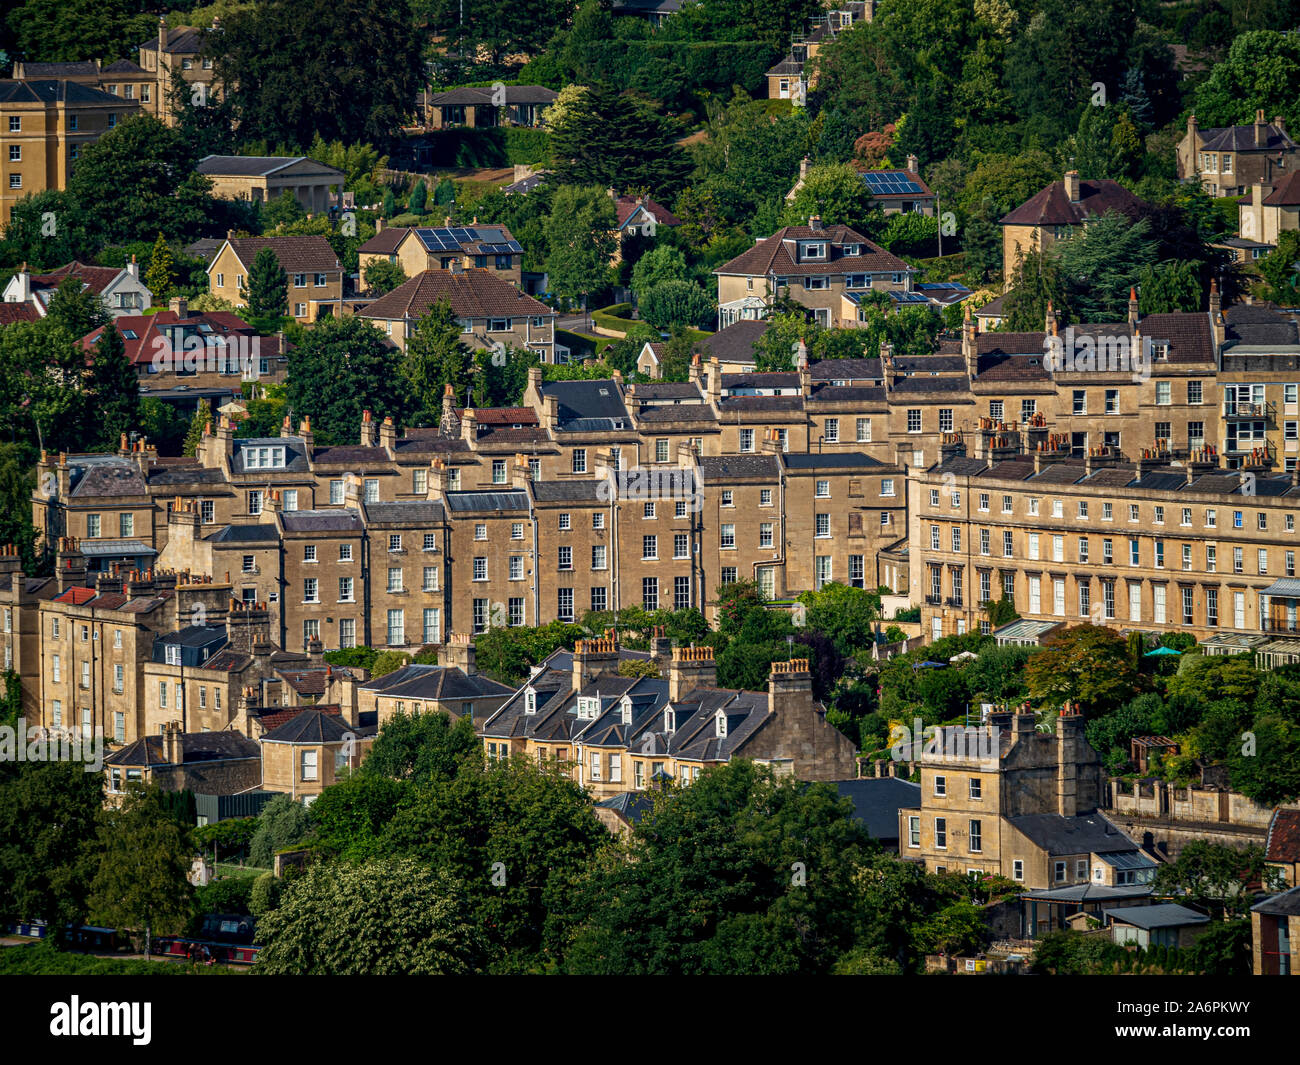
<point>584,343</point>
<point>42,959</point>
<point>231,869</point>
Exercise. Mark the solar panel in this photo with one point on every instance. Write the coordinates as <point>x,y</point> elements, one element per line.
<point>890,183</point>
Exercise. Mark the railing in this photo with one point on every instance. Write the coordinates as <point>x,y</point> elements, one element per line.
<point>1283,626</point>
<point>1236,409</point>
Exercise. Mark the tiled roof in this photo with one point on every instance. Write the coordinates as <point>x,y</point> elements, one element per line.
<point>309,254</point>
<point>59,91</point>
<point>341,520</point>
<point>723,467</point>
<point>121,478</point>
<point>253,165</point>
<point>1286,193</point>
<point>95,278</point>
<point>313,725</point>
<point>195,747</point>
<point>181,40</point>
<point>1052,207</point>
<point>349,454</point>
<point>1283,843</point>
<point>735,342</point>
<point>504,415</point>
<point>773,255</point>
<point>17,312</point>
<point>384,242</point>
<point>626,206</point>
<point>472,294</point>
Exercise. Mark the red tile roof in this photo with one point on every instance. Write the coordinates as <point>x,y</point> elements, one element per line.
<point>1052,207</point>
<point>297,255</point>
<point>17,312</point>
<point>471,293</point>
<point>1283,837</point>
<point>1287,193</point>
<point>96,278</point>
<point>625,207</point>
<point>773,255</point>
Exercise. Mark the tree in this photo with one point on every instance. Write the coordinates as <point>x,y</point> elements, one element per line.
<point>678,303</point>
<point>382,276</point>
<point>1170,287</point>
<point>1265,763</point>
<point>739,873</point>
<point>160,277</point>
<point>114,388</point>
<point>1260,72</point>
<point>139,178</point>
<point>518,836</point>
<point>423,748</point>
<point>1214,876</point>
<point>419,197</point>
<point>435,358</point>
<point>53,31</point>
<point>579,240</point>
<point>267,291</point>
<point>75,310</point>
<point>387,662</point>
<point>266,893</point>
<point>1209,678</point>
<point>351,816</point>
<point>1083,663</point>
<point>604,138</point>
<point>837,195</point>
<point>283,823</point>
<point>48,853</point>
<point>847,615</point>
<point>144,860</point>
<point>661,263</point>
<point>388,916</point>
<point>1279,268</point>
<point>194,435</point>
<point>340,368</point>
<point>358,95</point>
<point>1037,284</point>
<point>1102,263</point>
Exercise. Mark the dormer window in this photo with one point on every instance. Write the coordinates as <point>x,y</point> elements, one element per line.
<point>588,708</point>
<point>670,720</point>
<point>530,701</point>
<point>721,725</point>
<point>813,250</point>
<point>852,249</point>
<point>1160,349</point>
<point>625,709</point>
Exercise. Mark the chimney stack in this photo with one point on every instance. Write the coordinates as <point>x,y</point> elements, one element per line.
<point>594,658</point>
<point>458,652</point>
<point>690,668</point>
<point>1072,185</point>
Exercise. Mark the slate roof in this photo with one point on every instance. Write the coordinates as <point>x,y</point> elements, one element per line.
<point>436,683</point>
<point>313,725</point>
<point>246,534</point>
<point>773,255</point>
<point>504,500</point>
<point>1051,206</point>
<point>476,97</point>
<point>1283,843</point>
<point>877,800</point>
<point>1242,139</point>
<point>112,478</point>
<point>182,39</point>
<point>828,460</point>
<point>297,255</point>
<point>661,390</point>
<point>1282,905</point>
<point>253,165</point>
<point>761,403</point>
<point>1259,325</point>
<point>422,511</point>
<point>629,805</point>
<point>584,491</point>
<point>735,343</point>
<point>57,91</point>
<point>725,467</point>
<point>348,453</point>
<point>195,747</point>
<point>599,400</point>
<point>847,370</point>
<point>677,412</point>
<point>314,521</point>
<point>384,242</point>
<point>1072,835</point>
<point>76,69</point>
<point>472,293</point>
<point>295,454</point>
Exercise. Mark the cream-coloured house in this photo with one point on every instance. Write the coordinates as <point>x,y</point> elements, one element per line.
<point>314,271</point>
<point>261,179</point>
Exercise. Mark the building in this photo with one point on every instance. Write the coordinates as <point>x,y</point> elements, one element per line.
<point>121,291</point>
<point>214,763</point>
<point>454,688</point>
<point>503,105</point>
<point>1057,211</point>
<point>610,731</point>
<point>261,179</point>
<point>896,190</point>
<point>794,76</point>
<point>44,126</point>
<point>1275,934</point>
<point>1231,160</point>
<point>1161,925</point>
<point>494,315</point>
<point>306,754</point>
<point>486,248</point>
<point>824,269</point>
<point>876,802</point>
<point>1269,213</point>
<point>1282,845</point>
<point>314,271</point>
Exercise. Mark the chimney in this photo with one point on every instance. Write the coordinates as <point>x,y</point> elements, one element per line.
<point>1025,723</point>
<point>593,658</point>
<point>1072,185</point>
<point>179,306</point>
<point>448,405</point>
<point>469,426</point>
<point>24,279</point>
<point>162,39</point>
<point>1132,307</point>
<point>661,648</point>
<point>789,688</point>
<point>1261,130</point>
<point>308,437</point>
<point>690,668</point>
<point>804,163</point>
<point>368,434</point>
<point>969,344</point>
<point>133,268</point>
<point>715,379</point>
<point>70,565</point>
<point>913,165</point>
<point>379,225</point>
<point>1216,301</point>
<point>458,652</point>
<point>388,435</point>
<point>815,223</point>
<point>173,747</point>
<point>1069,734</point>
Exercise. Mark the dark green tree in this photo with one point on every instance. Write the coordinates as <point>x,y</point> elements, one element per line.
<point>435,358</point>
<point>267,291</point>
<point>114,388</point>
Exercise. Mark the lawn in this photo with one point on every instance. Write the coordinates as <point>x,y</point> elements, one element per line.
<point>41,959</point>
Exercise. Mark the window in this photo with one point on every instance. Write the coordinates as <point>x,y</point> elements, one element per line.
<point>661,451</point>
<point>597,521</point>
<point>119,678</point>
<point>566,522</point>
<point>976,837</point>
<point>480,568</point>
<point>823,490</point>
<point>822,526</point>
<point>579,464</point>
<point>309,590</point>
<point>1058,871</point>
<point>308,765</point>
<point>945,419</point>
<point>498,471</point>
<point>1164,393</point>
<point>517,530</point>
<point>126,525</point>
<point>598,556</point>
<point>650,547</point>
<point>565,560</point>
<point>599,599</point>
<point>92,526</point>
<point>940,785</point>
<point>345,552</point>
<point>345,590</point>
<point>941,833</point>
<point>681,545</point>
<point>747,440</point>
<point>1007,543</point>
<point>728,499</point>
<point>650,593</point>
<point>648,511</point>
<point>395,579</point>
<point>397,625</point>
<point>336,493</point>
<point>914,420</point>
<point>681,593</point>
<point>254,503</point>
<point>914,831</point>
<point>564,604</point>
<point>728,537</point>
<point>765,495</point>
<point>864,430</point>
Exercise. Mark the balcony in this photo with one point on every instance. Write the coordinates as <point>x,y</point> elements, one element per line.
<point>953,600</point>
<point>1234,410</point>
<point>934,600</point>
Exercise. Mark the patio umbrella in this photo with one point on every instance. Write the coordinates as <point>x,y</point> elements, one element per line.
<point>1160,652</point>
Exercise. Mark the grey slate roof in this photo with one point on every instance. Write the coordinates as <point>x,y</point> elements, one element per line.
<point>311,726</point>
<point>1161,915</point>
<point>195,747</point>
<point>506,500</point>
<point>583,401</point>
<point>432,682</point>
<point>828,460</point>
<point>341,520</point>
<point>721,467</point>
<point>246,534</point>
<point>877,800</point>
<point>1072,835</point>
<point>424,511</point>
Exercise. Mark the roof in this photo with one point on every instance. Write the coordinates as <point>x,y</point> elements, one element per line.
<point>1025,629</point>
<point>736,342</point>
<point>1242,139</point>
<point>111,476</point>
<point>1051,205</point>
<point>889,183</point>
<point>1283,843</point>
<point>318,521</point>
<point>182,39</point>
<point>877,800</point>
<point>828,460</point>
<point>629,805</point>
<point>95,278</point>
<point>1285,904</point>
<point>195,747</point>
<point>265,532</point>
<point>76,69</point>
<point>472,240</point>
<point>476,97</point>
<point>1161,915</point>
<point>384,242</point>
<point>1258,325</point>
<point>773,255</point>
<point>59,91</point>
<point>626,206</point>
<point>17,312</point>
<point>724,467</point>
<point>599,402</point>
<point>314,725</point>
<point>1057,834</point>
<point>1286,193</point>
<point>310,254</point>
<point>472,293</point>
<point>504,500</point>
<point>434,683</point>
<point>255,165</point>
